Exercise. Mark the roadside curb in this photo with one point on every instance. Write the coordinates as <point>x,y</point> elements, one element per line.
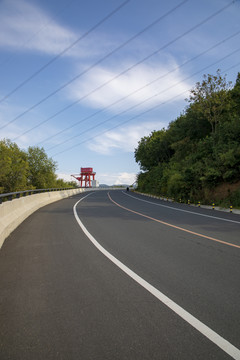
<point>234,211</point>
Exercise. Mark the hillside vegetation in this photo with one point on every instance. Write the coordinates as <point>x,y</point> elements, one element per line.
<point>197,157</point>
<point>27,170</point>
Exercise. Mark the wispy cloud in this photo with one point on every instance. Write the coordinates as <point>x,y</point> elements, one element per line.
<point>27,27</point>
<point>134,82</point>
<point>125,138</point>
<point>116,178</point>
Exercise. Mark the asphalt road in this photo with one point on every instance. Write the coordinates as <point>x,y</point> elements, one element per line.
<point>61,298</point>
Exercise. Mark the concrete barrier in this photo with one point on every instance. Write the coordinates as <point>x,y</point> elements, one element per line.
<point>12,213</point>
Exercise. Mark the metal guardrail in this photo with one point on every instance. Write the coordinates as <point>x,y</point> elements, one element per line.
<point>18,194</point>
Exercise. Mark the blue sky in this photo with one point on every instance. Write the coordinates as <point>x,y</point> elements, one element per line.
<point>87,79</point>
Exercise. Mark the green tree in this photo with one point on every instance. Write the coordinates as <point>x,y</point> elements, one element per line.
<point>14,167</point>
<point>41,168</point>
<point>192,125</point>
<point>176,185</point>
<point>153,150</point>
<point>141,154</point>
<point>200,150</point>
<point>212,97</point>
<point>235,95</point>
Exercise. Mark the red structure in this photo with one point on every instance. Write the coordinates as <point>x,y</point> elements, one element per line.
<point>86,177</point>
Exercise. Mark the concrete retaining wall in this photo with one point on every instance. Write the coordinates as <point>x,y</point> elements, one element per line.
<point>12,213</point>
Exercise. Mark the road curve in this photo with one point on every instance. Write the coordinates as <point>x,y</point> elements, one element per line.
<point>61,298</point>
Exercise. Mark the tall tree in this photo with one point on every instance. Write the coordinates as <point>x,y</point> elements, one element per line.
<point>13,167</point>
<point>235,95</point>
<point>153,150</point>
<point>41,168</point>
<point>212,97</point>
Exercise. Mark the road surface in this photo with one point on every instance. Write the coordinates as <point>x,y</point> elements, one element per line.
<point>146,280</point>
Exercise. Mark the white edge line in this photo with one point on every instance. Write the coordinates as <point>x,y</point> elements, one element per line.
<point>223,344</point>
<point>187,211</point>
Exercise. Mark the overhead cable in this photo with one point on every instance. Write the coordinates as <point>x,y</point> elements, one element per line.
<point>65,50</point>
<point>120,74</point>
<point>122,123</point>
<point>123,72</point>
<point>93,65</point>
<point>23,45</point>
<point>139,104</point>
<point>127,96</point>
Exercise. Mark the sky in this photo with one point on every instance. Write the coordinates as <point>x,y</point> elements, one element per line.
<point>86,80</point>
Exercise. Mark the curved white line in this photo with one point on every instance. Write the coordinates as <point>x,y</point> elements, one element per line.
<point>225,345</point>
<point>187,211</point>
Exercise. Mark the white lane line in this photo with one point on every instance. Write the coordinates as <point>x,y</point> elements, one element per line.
<point>187,211</point>
<point>223,344</point>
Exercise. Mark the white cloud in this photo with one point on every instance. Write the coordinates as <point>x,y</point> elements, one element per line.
<point>117,178</point>
<point>125,138</point>
<point>26,26</point>
<point>135,82</point>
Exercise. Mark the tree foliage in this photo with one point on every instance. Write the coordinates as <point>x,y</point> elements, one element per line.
<point>211,97</point>
<point>153,150</point>
<point>21,170</point>
<point>200,149</point>
<point>14,167</point>
<point>41,168</point>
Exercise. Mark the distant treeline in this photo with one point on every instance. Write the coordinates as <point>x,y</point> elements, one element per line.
<point>27,170</point>
<point>197,157</point>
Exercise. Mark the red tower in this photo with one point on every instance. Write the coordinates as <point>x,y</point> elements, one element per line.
<point>86,177</point>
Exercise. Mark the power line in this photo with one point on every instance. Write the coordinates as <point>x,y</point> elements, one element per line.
<point>144,101</point>
<point>118,125</point>
<point>65,50</point>
<point>93,65</point>
<point>124,71</point>
<point>35,34</point>
<point>139,104</point>
<point>232,67</point>
<point>130,94</point>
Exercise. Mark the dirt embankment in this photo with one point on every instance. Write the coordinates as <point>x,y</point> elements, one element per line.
<point>224,190</point>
